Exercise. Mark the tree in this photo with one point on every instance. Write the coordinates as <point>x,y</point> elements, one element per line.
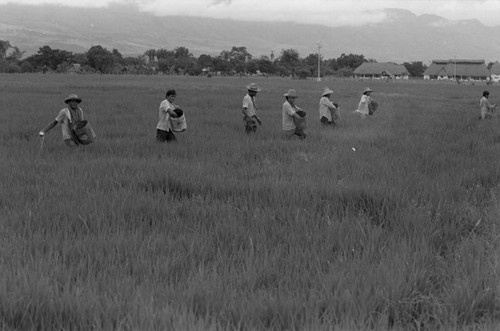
<point>182,52</point>
<point>132,61</point>
<point>184,64</point>
<point>311,63</point>
<point>80,58</point>
<point>252,67</point>
<point>100,59</point>
<point>237,58</point>
<point>290,60</point>
<point>26,67</point>
<point>4,65</point>
<point>332,64</point>
<point>164,54</point>
<point>351,61</point>
<point>266,65</point>
<point>150,54</point>
<point>163,65</point>
<point>221,64</point>
<point>15,55</point>
<point>4,46</point>
<point>49,58</point>
<point>205,61</point>
<point>416,69</point>
<point>166,60</point>
<point>117,56</point>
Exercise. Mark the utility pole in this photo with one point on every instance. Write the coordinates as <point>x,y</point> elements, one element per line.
<point>320,44</point>
<point>455,68</point>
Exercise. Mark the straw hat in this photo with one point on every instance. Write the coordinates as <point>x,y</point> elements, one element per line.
<point>72,97</point>
<point>291,94</point>
<point>253,87</point>
<point>326,91</point>
<point>367,89</point>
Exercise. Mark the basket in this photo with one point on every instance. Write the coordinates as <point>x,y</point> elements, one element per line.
<point>179,124</point>
<point>84,132</point>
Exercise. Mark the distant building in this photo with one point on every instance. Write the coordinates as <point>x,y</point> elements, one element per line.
<point>375,70</point>
<point>495,72</point>
<point>454,69</point>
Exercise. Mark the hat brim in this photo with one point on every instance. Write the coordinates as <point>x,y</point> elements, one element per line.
<point>253,89</point>
<point>72,99</point>
<point>290,96</point>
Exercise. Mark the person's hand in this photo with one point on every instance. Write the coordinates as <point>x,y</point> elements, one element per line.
<point>41,133</point>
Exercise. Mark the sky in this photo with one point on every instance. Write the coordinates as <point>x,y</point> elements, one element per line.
<point>325,12</point>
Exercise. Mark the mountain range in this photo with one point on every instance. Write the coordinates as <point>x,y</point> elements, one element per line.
<point>401,37</point>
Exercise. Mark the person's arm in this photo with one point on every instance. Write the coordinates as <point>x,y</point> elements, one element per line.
<point>295,112</point>
<point>169,109</point>
<point>244,110</point>
<point>172,112</point>
<point>491,106</point>
<point>49,127</point>
<point>330,104</point>
<point>291,111</point>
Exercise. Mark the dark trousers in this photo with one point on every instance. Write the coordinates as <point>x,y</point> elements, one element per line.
<point>165,136</point>
<point>327,122</point>
<point>250,124</point>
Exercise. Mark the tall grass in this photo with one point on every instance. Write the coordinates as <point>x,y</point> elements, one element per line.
<point>383,223</point>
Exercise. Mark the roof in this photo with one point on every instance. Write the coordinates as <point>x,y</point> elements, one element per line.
<point>373,68</point>
<point>495,68</point>
<point>462,61</point>
<point>457,68</point>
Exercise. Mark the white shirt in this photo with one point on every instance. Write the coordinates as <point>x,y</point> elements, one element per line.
<point>287,121</point>
<point>248,103</point>
<point>164,116</point>
<point>64,117</point>
<point>363,104</point>
<point>325,108</point>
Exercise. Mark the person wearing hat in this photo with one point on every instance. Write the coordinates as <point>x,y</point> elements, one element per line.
<point>291,113</point>
<point>249,109</point>
<point>328,111</point>
<point>71,114</point>
<point>164,132</point>
<point>364,104</point>
<point>486,107</point>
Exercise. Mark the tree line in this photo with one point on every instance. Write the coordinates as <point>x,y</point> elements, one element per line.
<point>237,61</point>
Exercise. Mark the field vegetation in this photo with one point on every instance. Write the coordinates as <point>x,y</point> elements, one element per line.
<point>386,223</point>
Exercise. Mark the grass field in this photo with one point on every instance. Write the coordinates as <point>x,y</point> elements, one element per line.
<point>224,231</point>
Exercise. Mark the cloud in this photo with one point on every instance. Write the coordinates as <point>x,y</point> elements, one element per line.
<point>216,2</point>
<point>326,12</point>
<point>71,3</point>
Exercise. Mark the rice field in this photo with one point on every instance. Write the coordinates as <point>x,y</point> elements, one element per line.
<point>387,223</point>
